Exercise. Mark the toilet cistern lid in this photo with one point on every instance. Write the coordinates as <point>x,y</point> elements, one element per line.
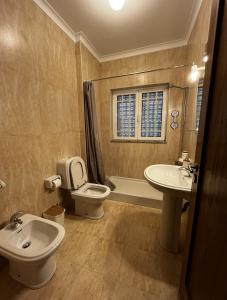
<point>78,173</point>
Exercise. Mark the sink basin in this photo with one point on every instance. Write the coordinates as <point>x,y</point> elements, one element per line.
<point>175,185</point>
<point>30,247</point>
<point>168,177</point>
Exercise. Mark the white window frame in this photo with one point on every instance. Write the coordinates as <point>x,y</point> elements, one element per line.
<point>138,111</point>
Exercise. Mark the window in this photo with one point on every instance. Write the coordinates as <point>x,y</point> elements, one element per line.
<point>199,103</point>
<point>140,114</point>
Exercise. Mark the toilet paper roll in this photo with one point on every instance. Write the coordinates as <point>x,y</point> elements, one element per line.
<point>56,183</point>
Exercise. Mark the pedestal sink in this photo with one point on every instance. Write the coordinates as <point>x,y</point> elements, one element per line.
<point>175,185</point>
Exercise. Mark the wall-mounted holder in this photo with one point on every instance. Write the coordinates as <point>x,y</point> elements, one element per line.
<point>2,184</point>
<point>53,182</point>
<point>175,114</point>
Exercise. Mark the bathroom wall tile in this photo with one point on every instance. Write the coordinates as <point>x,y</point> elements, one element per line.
<point>137,156</point>
<point>62,145</point>
<point>196,48</point>
<point>88,68</point>
<point>190,141</point>
<point>20,169</point>
<point>39,115</point>
<point>190,118</point>
<point>150,61</point>
<point>90,65</point>
<point>58,110</point>
<point>178,56</point>
<point>27,161</point>
<point>19,106</point>
<point>55,147</point>
<point>177,76</point>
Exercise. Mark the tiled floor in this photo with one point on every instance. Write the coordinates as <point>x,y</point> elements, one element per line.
<point>116,258</point>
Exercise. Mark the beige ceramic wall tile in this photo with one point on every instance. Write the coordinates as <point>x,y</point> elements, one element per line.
<point>39,115</point>
<point>87,68</point>
<point>130,159</point>
<point>196,48</point>
<point>155,60</point>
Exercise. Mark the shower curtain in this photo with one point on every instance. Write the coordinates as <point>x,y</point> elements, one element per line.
<point>96,172</point>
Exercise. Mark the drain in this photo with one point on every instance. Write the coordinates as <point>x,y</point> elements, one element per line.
<point>26,245</point>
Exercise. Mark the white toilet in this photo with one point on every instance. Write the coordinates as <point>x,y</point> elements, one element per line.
<point>88,197</point>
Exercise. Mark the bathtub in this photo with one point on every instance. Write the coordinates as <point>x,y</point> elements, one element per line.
<point>135,191</point>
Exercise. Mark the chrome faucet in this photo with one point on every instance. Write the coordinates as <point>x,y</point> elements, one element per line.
<point>190,169</point>
<point>15,220</point>
<point>187,170</point>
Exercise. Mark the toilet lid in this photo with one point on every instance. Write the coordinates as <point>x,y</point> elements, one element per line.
<point>78,172</point>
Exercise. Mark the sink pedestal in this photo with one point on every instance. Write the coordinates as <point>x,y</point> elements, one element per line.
<point>171,221</point>
<point>176,185</point>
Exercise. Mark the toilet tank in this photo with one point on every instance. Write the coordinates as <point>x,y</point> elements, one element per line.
<point>63,167</point>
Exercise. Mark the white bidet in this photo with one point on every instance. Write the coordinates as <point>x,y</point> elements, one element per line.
<point>29,248</point>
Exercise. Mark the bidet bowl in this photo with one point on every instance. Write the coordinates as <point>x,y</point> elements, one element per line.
<point>30,247</point>
<point>43,237</point>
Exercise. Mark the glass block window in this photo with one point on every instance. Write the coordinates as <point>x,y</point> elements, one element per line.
<point>199,102</point>
<point>140,114</point>
<point>126,115</point>
<point>151,117</point>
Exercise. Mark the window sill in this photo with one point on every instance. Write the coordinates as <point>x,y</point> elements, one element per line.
<point>137,141</point>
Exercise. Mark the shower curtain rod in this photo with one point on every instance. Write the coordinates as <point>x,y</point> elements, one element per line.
<point>141,72</point>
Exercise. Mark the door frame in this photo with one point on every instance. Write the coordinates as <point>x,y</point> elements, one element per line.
<point>212,50</point>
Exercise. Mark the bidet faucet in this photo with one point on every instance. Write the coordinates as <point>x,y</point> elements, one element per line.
<point>15,221</point>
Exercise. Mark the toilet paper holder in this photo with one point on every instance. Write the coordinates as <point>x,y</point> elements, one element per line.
<point>53,182</point>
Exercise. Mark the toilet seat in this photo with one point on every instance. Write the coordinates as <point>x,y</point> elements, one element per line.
<point>78,172</point>
<point>79,182</point>
<point>92,191</point>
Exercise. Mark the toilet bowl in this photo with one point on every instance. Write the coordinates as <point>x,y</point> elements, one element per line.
<point>88,197</point>
<point>30,248</point>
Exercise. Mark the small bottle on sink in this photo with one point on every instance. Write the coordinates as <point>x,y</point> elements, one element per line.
<point>186,159</point>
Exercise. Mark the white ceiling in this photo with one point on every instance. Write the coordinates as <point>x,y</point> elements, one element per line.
<point>141,23</point>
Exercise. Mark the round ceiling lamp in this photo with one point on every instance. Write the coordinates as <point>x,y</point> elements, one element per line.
<point>117,4</point>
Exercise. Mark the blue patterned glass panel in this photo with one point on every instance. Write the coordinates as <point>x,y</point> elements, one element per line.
<point>199,103</point>
<point>126,115</point>
<point>152,110</point>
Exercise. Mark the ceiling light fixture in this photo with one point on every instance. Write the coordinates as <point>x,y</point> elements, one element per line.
<point>117,4</point>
